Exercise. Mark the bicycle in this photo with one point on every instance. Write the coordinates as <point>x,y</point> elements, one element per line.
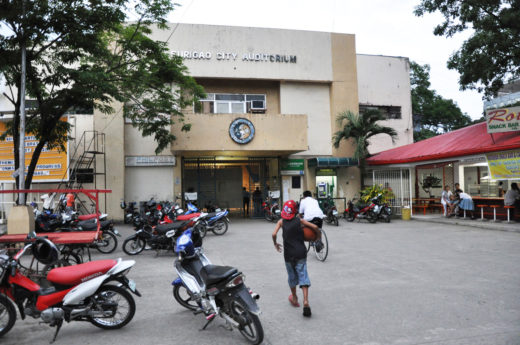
<point>324,252</point>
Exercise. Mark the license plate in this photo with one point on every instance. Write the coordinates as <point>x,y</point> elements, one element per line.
<point>335,213</point>
<point>131,285</point>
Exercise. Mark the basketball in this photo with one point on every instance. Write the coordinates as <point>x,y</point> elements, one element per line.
<point>308,234</point>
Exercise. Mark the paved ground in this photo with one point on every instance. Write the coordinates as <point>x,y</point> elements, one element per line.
<point>399,283</point>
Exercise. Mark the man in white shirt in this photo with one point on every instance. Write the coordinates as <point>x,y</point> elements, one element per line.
<point>311,210</point>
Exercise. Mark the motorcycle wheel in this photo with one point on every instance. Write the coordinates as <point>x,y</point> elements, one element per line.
<point>133,246</point>
<point>251,329</point>
<point>220,228</point>
<point>7,315</point>
<point>372,217</point>
<point>181,295</point>
<point>336,222</point>
<point>328,220</point>
<point>350,217</point>
<point>201,228</point>
<point>108,242</point>
<point>124,310</point>
<point>267,216</point>
<point>387,218</point>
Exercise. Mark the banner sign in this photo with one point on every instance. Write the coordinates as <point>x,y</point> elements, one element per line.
<point>292,167</point>
<point>149,161</point>
<point>52,164</point>
<point>504,165</point>
<point>503,120</point>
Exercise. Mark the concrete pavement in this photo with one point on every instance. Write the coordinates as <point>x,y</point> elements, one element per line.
<point>398,283</point>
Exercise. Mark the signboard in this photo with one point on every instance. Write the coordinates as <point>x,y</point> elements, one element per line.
<point>503,120</point>
<point>149,161</point>
<point>292,167</point>
<point>325,172</point>
<point>52,164</point>
<point>504,165</point>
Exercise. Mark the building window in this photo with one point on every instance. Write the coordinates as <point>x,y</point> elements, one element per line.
<point>226,103</point>
<point>296,182</point>
<point>389,112</point>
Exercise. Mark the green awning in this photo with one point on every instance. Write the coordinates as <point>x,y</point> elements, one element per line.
<point>332,162</point>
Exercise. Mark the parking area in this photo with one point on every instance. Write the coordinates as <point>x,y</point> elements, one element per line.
<point>399,283</point>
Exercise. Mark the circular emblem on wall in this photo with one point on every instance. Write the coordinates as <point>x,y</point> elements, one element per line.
<point>241,131</point>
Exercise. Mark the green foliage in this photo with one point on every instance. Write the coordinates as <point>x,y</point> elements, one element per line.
<point>373,191</point>
<point>430,182</point>
<point>360,128</point>
<point>82,53</point>
<point>432,113</point>
<point>491,55</point>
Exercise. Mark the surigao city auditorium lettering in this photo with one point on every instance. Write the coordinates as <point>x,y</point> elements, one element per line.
<point>226,56</point>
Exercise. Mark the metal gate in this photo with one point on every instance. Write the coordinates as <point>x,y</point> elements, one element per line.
<point>398,180</point>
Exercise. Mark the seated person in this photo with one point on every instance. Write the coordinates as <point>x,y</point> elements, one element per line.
<point>446,201</point>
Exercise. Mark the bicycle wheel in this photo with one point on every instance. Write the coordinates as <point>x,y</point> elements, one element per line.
<point>324,252</point>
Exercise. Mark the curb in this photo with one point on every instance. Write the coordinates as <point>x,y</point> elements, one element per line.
<point>474,224</point>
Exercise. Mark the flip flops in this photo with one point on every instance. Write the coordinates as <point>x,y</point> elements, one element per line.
<point>294,304</point>
<point>307,311</point>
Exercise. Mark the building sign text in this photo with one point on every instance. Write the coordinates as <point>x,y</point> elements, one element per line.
<point>503,120</point>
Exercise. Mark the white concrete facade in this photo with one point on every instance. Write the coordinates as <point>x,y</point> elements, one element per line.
<point>385,81</point>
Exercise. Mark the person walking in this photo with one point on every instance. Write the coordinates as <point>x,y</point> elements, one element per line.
<point>257,201</point>
<point>310,209</point>
<point>295,252</point>
<point>245,201</point>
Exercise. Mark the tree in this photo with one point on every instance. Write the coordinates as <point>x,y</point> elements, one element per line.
<point>491,55</point>
<point>82,54</point>
<point>360,128</point>
<point>432,113</point>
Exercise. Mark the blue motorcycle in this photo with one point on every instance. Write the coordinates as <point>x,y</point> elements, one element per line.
<point>217,222</point>
<point>214,290</point>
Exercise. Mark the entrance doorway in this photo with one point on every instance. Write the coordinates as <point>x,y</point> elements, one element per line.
<point>221,182</point>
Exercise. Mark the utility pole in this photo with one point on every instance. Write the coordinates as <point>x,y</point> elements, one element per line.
<point>21,149</point>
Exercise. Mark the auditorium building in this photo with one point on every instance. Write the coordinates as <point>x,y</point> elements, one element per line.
<point>267,121</point>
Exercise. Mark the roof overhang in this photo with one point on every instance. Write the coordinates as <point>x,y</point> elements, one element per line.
<point>332,162</point>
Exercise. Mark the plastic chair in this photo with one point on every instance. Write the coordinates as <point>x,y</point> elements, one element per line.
<point>508,208</point>
<point>481,211</point>
<point>494,207</point>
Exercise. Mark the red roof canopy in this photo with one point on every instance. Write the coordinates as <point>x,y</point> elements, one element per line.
<point>462,142</point>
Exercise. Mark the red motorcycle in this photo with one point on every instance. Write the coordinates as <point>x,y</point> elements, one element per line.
<point>271,210</point>
<point>361,211</point>
<point>96,291</point>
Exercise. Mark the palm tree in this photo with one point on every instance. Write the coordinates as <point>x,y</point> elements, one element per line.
<point>360,128</point>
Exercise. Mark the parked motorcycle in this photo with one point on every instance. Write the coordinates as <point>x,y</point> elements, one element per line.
<point>108,241</point>
<point>271,210</point>
<point>159,237</point>
<point>361,211</point>
<point>214,290</point>
<point>131,211</point>
<point>96,291</point>
<point>217,222</point>
<point>330,211</point>
<point>382,210</point>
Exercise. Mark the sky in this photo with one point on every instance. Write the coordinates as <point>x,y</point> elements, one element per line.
<point>382,27</point>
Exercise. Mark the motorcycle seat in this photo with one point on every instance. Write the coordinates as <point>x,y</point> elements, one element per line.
<point>164,228</point>
<point>187,216</point>
<point>91,225</point>
<point>212,274</point>
<point>76,274</point>
<point>211,214</point>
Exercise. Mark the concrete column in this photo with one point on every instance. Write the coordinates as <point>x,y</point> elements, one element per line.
<point>113,126</point>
